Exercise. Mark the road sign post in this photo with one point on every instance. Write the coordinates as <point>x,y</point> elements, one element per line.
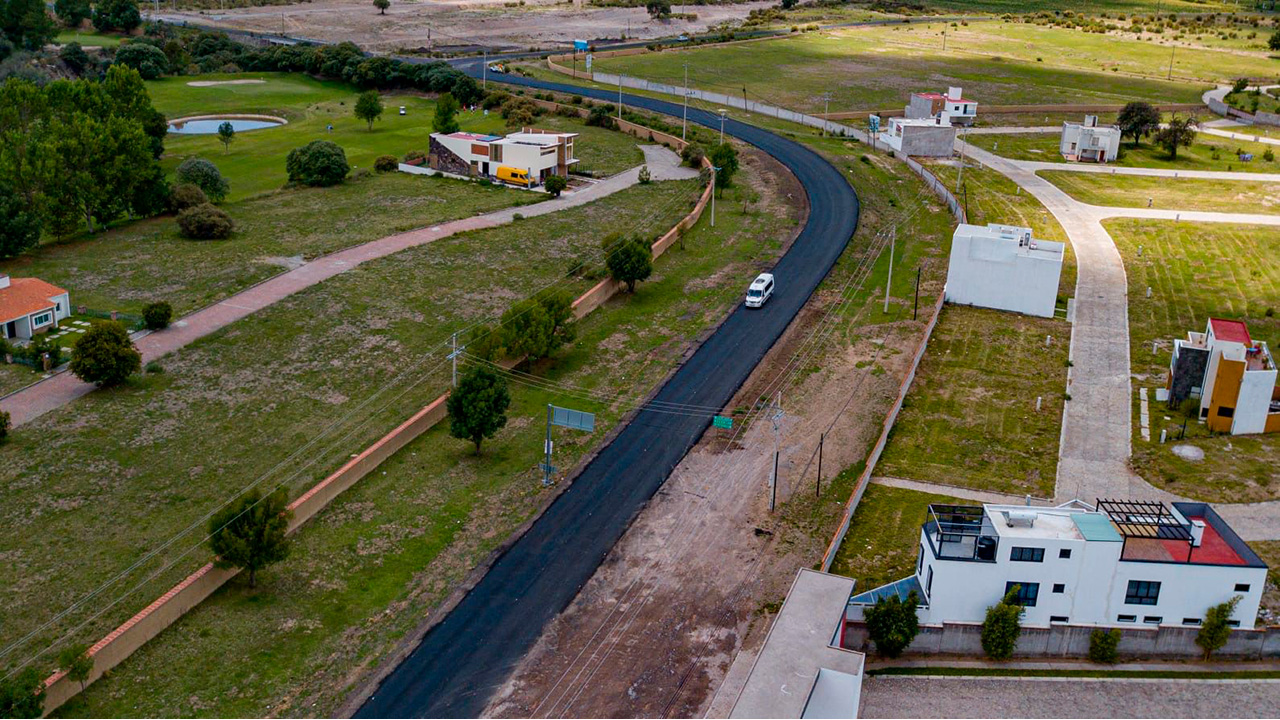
<point>564,417</point>
<point>721,421</point>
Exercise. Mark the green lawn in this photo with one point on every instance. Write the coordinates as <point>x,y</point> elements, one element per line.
<point>88,39</point>
<point>1266,102</point>
<point>1197,271</point>
<point>884,536</point>
<point>15,377</point>
<point>373,564</point>
<point>1208,152</point>
<point>1168,194</point>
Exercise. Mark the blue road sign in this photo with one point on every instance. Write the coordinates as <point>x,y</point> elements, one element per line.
<point>576,419</point>
<point>580,45</point>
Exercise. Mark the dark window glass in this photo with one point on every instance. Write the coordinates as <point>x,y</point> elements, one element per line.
<point>1233,623</point>
<point>1027,592</point>
<point>1226,412</point>
<point>1242,587</point>
<point>1126,618</point>
<point>1064,553</point>
<point>1142,592</point>
<point>1058,618</point>
<point>1026,554</point>
<point>1191,621</point>
<point>1152,619</point>
<point>1059,587</point>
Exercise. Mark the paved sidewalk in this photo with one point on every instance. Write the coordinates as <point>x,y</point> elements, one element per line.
<point>982,496</point>
<point>1226,128</point>
<point>36,400</point>
<point>1222,666</point>
<point>1037,165</point>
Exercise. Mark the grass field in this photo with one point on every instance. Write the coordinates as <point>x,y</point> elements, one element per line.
<point>1208,152</point>
<point>15,377</point>
<point>884,536</point>
<point>88,39</point>
<point>1198,271</point>
<point>1181,194</point>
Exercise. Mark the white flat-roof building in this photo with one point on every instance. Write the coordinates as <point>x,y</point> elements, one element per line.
<point>541,153</point>
<point>1005,268</point>
<point>1232,375</point>
<point>957,108</point>
<point>1123,563</point>
<point>924,137</point>
<point>1089,142</point>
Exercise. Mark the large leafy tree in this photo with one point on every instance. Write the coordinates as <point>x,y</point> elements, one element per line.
<point>72,12</point>
<point>121,15</point>
<point>22,695</point>
<point>20,225</point>
<point>478,406</point>
<point>1180,132</point>
<point>250,533</point>
<point>105,355</point>
<point>630,261</point>
<point>26,23</point>
<point>725,158</point>
<point>100,162</point>
<point>369,107</point>
<point>446,117</point>
<point>893,623</point>
<point>320,163</point>
<point>536,328</point>
<point>149,60</point>
<point>1138,119</point>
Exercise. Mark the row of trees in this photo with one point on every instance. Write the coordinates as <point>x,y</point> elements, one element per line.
<point>1140,119</point>
<point>27,24</point>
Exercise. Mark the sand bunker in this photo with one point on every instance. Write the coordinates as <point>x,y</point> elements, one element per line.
<point>211,83</point>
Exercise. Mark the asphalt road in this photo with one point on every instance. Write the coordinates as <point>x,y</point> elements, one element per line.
<point>463,659</point>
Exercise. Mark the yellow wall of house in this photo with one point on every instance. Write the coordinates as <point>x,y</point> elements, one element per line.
<point>1226,393</point>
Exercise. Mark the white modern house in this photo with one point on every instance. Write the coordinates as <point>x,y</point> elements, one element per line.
<point>924,137</point>
<point>957,108</point>
<point>1121,563</point>
<point>1089,142</point>
<point>1232,375</point>
<point>29,306</point>
<point>1005,268</point>
<point>539,153</point>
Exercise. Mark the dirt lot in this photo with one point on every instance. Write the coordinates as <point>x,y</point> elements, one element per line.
<point>696,577</point>
<point>454,23</point>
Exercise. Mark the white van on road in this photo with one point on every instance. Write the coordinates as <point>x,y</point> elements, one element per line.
<point>760,291</point>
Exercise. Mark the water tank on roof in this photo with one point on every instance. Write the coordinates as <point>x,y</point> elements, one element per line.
<point>1020,518</point>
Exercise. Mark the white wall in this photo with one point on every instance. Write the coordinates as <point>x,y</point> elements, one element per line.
<point>998,274</point>
<point>1186,591</point>
<point>1254,402</point>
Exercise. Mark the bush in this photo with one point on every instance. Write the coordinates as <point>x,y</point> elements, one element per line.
<point>629,261</point>
<point>74,57</point>
<point>692,155</point>
<point>148,60</point>
<point>892,624</point>
<point>6,423</point>
<point>1216,629</point>
<point>1002,626</point>
<point>187,195</point>
<point>1269,155</point>
<point>556,184</point>
<point>153,368</point>
<point>602,116</point>
<point>415,157</point>
<point>157,315</point>
<point>645,177</point>
<point>385,163</point>
<point>320,163</point>
<point>119,15</point>
<point>205,222</point>
<point>20,227</point>
<point>105,355</point>
<point>1102,646</point>
<point>478,407</point>
<point>205,175</point>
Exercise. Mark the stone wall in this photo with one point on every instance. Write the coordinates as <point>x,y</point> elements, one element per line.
<point>443,159</point>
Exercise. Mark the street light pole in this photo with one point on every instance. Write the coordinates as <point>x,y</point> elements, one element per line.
<point>713,195</point>
<point>722,114</point>
<point>484,74</point>
<point>1172,51</point>
<point>684,120</point>
<point>826,110</point>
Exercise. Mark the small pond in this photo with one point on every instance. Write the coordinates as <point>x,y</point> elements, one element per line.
<point>209,126</point>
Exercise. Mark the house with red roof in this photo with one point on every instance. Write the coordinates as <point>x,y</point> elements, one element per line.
<point>29,306</point>
<point>952,106</point>
<point>1232,375</point>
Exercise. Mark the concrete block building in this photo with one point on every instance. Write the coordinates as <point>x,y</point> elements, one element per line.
<point>1089,142</point>
<point>541,153</point>
<point>958,109</point>
<point>1005,268</point>
<point>1232,375</point>
<point>29,306</point>
<point>1121,563</point>
<point>926,137</point>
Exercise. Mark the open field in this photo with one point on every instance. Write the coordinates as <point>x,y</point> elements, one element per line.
<point>1180,194</point>
<point>373,564</point>
<point>14,377</point>
<point>1208,152</point>
<point>1198,271</point>
<point>884,537</point>
<point>88,38</point>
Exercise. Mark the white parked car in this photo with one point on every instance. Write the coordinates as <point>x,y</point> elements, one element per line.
<point>760,291</point>
<point>403,111</point>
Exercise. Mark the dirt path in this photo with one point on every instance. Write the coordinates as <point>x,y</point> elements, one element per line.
<point>35,400</point>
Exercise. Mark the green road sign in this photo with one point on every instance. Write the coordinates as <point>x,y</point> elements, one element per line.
<point>721,421</point>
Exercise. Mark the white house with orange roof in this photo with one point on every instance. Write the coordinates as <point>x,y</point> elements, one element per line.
<point>1232,375</point>
<point>952,105</point>
<point>29,306</point>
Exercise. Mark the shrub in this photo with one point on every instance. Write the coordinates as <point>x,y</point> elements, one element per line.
<point>74,57</point>
<point>415,157</point>
<point>385,163</point>
<point>205,175</point>
<point>478,406</point>
<point>645,177</point>
<point>250,533</point>
<point>1102,646</point>
<point>187,195</point>
<point>520,111</point>
<point>205,222</point>
<point>602,116</point>
<point>1269,155</point>
<point>119,15</point>
<point>692,155</point>
<point>157,315</point>
<point>629,261</point>
<point>556,184</point>
<point>153,368</point>
<point>1002,626</point>
<point>892,624</point>
<point>105,355</point>
<point>148,60</point>
<point>1216,629</point>
<point>320,163</point>
<point>5,424</point>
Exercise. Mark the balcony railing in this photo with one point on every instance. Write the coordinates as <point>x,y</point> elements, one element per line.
<point>962,532</point>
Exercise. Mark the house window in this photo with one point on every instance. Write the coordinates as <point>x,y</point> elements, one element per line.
<point>1058,618</point>
<point>1226,412</point>
<point>1142,592</point>
<point>1026,554</point>
<point>1059,587</point>
<point>1152,619</point>
<point>928,584</point>
<point>920,560</point>
<point>1242,587</point>
<point>1064,553</point>
<point>43,318</point>
<point>1191,621</point>
<point>1233,623</point>
<point>1027,592</point>
<point>1126,618</point>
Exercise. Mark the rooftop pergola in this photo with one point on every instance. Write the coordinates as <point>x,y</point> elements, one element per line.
<point>1144,519</point>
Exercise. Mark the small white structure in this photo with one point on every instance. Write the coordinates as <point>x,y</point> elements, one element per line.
<point>924,137</point>
<point>538,152</point>
<point>1089,142</point>
<point>1123,563</point>
<point>29,306</point>
<point>1233,376</point>
<point>1005,268</point>
<point>958,109</point>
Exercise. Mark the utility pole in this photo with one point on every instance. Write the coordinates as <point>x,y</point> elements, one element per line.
<point>713,195</point>
<point>722,114</point>
<point>1172,51</point>
<point>893,241</point>
<point>619,95</point>
<point>777,428</point>
<point>454,357</point>
<point>817,486</point>
<point>684,120</point>
<point>944,38</point>
<point>546,465</point>
<point>826,110</point>
<point>960,174</point>
<point>484,73</point>
<point>916,308</point>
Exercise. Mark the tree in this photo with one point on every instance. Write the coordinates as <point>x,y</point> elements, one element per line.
<point>226,133</point>
<point>725,158</point>
<point>72,12</point>
<point>446,117</point>
<point>1103,646</point>
<point>1240,85</point>
<point>1180,132</point>
<point>26,24</point>
<point>20,225</point>
<point>1002,626</point>
<point>369,107</point>
<point>205,222</point>
<point>658,9</point>
<point>121,15</point>
<point>630,261</point>
<point>537,327</point>
<point>74,57</point>
<point>1274,42</point>
<point>76,662</point>
<point>22,696</point>
<point>386,163</point>
<point>320,163</point>
<point>250,533</point>
<point>149,60</point>
<point>556,185</point>
<point>478,406</point>
<point>1138,119</point>
<point>1216,629</point>
<point>892,623</point>
<point>99,162</point>
<point>382,6</point>
<point>204,175</point>
<point>6,422</point>
<point>105,355</point>
<point>692,155</point>
<point>157,315</point>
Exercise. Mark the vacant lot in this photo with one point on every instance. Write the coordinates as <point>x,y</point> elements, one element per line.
<point>1196,272</point>
<point>884,537</point>
<point>1209,152</point>
<point>1167,193</point>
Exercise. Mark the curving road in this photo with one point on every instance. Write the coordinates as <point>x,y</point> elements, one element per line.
<point>464,658</point>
